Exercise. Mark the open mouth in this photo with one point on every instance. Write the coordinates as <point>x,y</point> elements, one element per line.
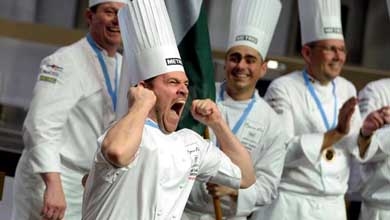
<point>113,29</point>
<point>178,107</point>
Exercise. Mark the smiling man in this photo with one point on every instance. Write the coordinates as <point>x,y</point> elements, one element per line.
<point>249,117</point>
<point>74,101</point>
<point>317,107</point>
<point>143,168</point>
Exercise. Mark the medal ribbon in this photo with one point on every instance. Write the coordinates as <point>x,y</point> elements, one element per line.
<point>113,93</point>
<point>319,104</point>
<point>244,114</point>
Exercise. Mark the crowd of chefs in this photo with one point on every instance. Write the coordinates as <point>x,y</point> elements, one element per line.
<point>286,155</point>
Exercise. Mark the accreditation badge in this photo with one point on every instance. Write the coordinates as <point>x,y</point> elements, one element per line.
<point>329,154</point>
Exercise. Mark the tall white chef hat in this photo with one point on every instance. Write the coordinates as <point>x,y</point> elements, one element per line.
<point>253,23</point>
<point>95,2</point>
<point>148,40</point>
<point>320,20</point>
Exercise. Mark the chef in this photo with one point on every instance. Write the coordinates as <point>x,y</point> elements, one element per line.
<point>249,117</point>
<point>319,110</point>
<point>73,102</point>
<point>374,99</point>
<point>144,169</point>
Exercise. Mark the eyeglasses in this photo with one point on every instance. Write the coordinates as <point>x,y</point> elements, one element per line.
<point>330,49</point>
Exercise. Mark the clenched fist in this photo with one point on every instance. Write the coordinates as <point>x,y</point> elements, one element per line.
<point>205,111</point>
<point>142,97</point>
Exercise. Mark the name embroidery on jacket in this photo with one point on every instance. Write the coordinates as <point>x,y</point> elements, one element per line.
<point>194,152</point>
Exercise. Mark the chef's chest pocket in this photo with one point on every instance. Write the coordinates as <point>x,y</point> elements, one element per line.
<point>92,93</point>
<point>251,134</point>
<point>94,100</point>
<point>174,168</point>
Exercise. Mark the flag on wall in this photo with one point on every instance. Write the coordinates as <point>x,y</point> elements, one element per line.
<point>189,22</point>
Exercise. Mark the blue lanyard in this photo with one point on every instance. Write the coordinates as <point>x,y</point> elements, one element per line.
<point>151,123</point>
<point>318,102</point>
<point>113,93</point>
<point>244,114</point>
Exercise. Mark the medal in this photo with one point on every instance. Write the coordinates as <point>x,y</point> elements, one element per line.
<point>329,154</point>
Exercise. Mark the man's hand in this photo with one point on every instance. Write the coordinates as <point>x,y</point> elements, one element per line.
<point>123,139</point>
<point>345,115</point>
<point>54,203</point>
<point>343,126</point>
<point>141,96</point>
<point>375,120</point>
<point>371,123</point>
<point>385,113</point>
<point>219,191</point>
<point>206,112</point>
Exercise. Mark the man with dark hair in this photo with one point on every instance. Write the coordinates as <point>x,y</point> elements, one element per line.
<point>144,169</point>
<point>249,117</point>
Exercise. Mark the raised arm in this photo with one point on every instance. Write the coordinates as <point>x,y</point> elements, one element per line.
<point>123,139</point>
<point>207,113</point>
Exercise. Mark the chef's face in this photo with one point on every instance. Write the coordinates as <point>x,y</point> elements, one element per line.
<point>171,92</point>
<point>243,67</point>
<point>325,59</point>
<point>103,24</point>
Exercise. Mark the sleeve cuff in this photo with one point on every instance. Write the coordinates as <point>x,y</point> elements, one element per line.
<point>382,136</point>
<point>311,146</point>
<point>44,159</point>
<point>374,152</point>
<point>246,201</point>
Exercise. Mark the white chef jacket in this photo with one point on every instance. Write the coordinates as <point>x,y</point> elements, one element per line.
<point>264,137</point>
<point>376,172</point>
<point>307,176</point>
<point>156,185</point>
<point>70,109</point>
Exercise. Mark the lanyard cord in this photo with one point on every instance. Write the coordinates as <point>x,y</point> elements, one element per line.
<point>321,109</point>
<point>319,104</point>
<point>113,93</point>
<point>244,114</point>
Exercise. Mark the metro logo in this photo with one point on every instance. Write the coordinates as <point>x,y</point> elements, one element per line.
<point>247,38</point>
<point>173,61</point>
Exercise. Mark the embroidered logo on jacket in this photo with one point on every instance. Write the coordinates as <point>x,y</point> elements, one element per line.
<point>194,153</point>
<point>47,79</point>
<point>50,72</point>
<point>251,134</point>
